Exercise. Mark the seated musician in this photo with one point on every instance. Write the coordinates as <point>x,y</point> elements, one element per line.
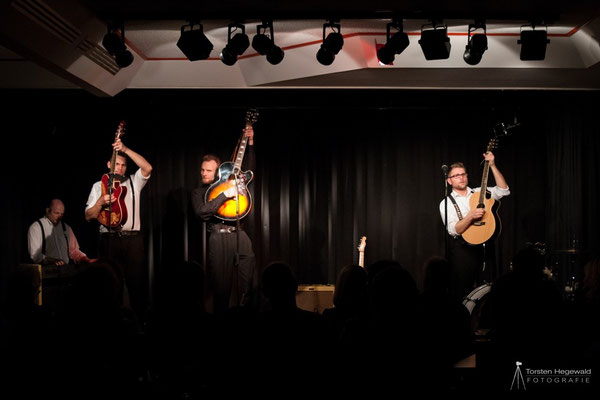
<point>51,241</point>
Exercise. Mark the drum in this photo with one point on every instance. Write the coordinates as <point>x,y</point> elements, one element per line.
<point>475,303</point>
<point>476,297</point>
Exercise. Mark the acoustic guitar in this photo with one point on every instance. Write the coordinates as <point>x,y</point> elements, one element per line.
<point>229,175</point>
<point>361,251</point>
<point>489,225</point>
<point>114,215</point>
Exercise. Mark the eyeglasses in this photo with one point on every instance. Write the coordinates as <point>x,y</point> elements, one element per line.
<point>464,174</point>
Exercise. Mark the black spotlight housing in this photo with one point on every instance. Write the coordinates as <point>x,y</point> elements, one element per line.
<point>435,42</point>
<point>236,45</point>
<point>193,43</point>
<point>533,44</point>
<point>476,44</point>
<point>265,45</point>
<point>115,46</point>
<point>394,45</point>
<point>331,45</point>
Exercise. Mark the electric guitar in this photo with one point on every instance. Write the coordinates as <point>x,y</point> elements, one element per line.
<point>489,225</point>
<point>361,251</point>
<point>229,175</point>
<point>115,214</point>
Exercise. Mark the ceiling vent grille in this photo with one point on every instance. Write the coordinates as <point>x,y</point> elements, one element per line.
<point>47,18</point>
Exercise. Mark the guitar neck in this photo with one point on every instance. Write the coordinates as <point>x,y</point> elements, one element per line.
<point>239,157</point>
<point>113,160</point>
<point>484,181</point>
<point>361,258</point>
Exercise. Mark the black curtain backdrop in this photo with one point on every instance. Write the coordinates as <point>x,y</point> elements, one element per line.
<point>332,166</point>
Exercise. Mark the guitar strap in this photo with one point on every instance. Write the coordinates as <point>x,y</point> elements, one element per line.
<point>43,237</point>
<point>132,203</point>
<point>456,207</point>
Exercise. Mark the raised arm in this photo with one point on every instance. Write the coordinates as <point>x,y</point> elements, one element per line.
<point>498,177</point>
<point>138,159</point>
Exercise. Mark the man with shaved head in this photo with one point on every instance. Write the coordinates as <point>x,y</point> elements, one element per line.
<point>51,241</point>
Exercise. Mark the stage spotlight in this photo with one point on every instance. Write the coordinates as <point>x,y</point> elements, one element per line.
<point>331,45</point>
<point>393,45</point>
<point>533,44</point>
<point>193,43</point>
<point>476,44</point>
<point>236,45</point>
<point>265,45</point>
<point>115,46</point>
<point>435,42</point>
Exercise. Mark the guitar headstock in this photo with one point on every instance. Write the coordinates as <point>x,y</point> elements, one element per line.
<point>120,130</point>
<point>363,244</point>
<point>493,144</point>
<point>251,116</point>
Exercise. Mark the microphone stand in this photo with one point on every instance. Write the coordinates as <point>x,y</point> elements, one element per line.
<point>237,239</point>
<point>111,179</point>
<point>445,173</point>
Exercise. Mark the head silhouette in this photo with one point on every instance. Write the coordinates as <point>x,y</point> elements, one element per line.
<point>280,285</point>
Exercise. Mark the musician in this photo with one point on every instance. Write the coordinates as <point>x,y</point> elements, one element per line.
<point>467,260</point>
<point>124,246</point>
<point>222,275</point>
<point>51,241</point>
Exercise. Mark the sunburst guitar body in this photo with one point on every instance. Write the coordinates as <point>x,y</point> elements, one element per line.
<point>230,175</point>
<point>229,210</point>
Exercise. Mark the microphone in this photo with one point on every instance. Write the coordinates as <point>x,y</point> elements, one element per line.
<point>445,170</point>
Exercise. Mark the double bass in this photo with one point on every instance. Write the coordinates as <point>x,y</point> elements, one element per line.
<point>114,215</point>
<point>230,174</point>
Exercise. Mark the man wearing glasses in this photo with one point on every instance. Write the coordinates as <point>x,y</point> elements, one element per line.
<point>467,260</point>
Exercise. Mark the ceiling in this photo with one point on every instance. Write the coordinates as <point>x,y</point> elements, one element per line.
<point>57,44</point>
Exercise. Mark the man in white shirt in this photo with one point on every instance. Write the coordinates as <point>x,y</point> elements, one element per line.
<point>124,246</point>
<point>467,260</point>
<point>51,241</point>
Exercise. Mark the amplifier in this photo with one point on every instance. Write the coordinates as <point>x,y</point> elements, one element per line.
<point>315,298</point>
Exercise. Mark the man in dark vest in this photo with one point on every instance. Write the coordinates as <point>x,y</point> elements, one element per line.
<point>51,241</point>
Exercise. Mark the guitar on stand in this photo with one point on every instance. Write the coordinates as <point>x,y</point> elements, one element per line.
<point>230,175</point>
<point>114,215</point>
<point>361,251</point>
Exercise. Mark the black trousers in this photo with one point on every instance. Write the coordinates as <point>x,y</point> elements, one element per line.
<point>127,253</point>
<point>468,268</point>
<point>229,284</point>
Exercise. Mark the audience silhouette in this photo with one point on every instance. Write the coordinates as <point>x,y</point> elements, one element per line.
<point>447,321</point>
<point>381,335</point>
<point>291,341</point>
<point>349,299</point>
